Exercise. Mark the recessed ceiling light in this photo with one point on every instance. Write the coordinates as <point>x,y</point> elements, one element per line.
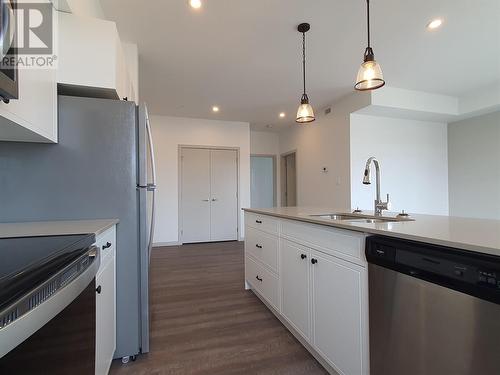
<point>282,114</point>
<point>196,4</point>
<point>435,23</point>
<point>215,109</point>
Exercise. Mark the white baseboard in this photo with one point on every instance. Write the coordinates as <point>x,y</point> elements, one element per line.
<point>166,244</point>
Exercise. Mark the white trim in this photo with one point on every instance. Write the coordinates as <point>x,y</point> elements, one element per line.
<point>166,244</point>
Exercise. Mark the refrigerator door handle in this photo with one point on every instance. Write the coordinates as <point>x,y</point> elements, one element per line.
<point>151,150</point>
<point>151,187</point>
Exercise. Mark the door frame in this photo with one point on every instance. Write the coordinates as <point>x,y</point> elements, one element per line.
<point>283,177</point>
<point>179,186</point>
<point>275,174</point>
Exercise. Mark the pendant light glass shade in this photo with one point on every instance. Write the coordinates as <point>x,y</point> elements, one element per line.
<point>370,75</point>
<point>305,112</point>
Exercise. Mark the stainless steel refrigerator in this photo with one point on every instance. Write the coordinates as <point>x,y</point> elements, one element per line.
<point>102,167</point>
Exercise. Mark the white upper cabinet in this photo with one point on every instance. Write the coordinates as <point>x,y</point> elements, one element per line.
<point>91,59</point>
<point>33,116</point>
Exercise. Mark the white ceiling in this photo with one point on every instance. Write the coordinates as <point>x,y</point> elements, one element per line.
<point>244,56</point>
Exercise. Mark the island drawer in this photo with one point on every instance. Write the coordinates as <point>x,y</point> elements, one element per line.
<point>263,281</point>
<point>262,222</point>
<point>338,242</point>
<point>263,247</point>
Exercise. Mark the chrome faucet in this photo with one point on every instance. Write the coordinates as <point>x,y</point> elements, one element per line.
<point>379,204</point>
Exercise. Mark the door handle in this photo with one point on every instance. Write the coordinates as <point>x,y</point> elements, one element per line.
<point>258,221</point>
<point>107,246</point>
<point>214,199</point>
<point>205,200</point>
<point>314,261</point>
<point>303,256</point>
<point>258,246</point>
<point>258,278</point>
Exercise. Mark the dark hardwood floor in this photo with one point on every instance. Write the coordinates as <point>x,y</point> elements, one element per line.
<point>204,322</point>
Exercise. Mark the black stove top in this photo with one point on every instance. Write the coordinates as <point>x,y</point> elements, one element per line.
<point>28,261</point>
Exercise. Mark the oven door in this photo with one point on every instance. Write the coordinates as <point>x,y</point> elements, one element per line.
<point>9,85</point>
<point>65,345</point>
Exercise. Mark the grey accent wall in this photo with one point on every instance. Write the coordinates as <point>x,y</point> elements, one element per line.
<point>474,167</point>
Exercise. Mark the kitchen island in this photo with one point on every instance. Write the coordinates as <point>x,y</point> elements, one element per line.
<point>312,272</point>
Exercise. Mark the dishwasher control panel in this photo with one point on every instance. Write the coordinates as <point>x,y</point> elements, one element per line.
<point>472,273</point>
<point>489,278</point>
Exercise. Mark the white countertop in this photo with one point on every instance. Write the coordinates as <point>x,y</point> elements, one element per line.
<point>479,235</point>
<point>55,228</point>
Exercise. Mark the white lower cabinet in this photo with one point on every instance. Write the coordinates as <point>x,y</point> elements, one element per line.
<point>323,292</point>
<point>295,286</point>
<point>105,303</point>
<point>337,312</point>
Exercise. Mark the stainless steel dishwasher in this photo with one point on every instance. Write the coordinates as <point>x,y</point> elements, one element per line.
<point>433,310</point>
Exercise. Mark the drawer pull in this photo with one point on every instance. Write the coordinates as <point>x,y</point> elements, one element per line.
<point>258,221</point>
<point>258,246</point>
<point>258,278</point>
<point>107,246</point>
<point>303,256</point>
<point>314,261</point>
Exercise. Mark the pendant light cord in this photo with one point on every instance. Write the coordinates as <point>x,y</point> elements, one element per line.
<point>304,60</point>
<point>368,19</point>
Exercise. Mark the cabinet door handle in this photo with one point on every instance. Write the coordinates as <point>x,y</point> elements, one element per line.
<point>314,261</point>
<point>258,246</point>
<point>303,256</point>
<point>258,278</point>
<point>107,246</point>
<point>98,289</point>
<point>258,221</point>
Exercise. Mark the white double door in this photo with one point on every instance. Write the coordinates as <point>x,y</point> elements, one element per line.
<point>209,195</point>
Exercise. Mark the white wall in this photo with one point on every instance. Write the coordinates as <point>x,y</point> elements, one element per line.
<point>87,8</point>
<point>413,158</point>
<point>474,167</point>
<point>324,143</point>
<point>168,134</point>
<point>264,143</point>
<point>131,54</point>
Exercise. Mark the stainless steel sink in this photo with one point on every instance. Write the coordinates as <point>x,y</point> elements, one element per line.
<point>337,216</point>
<point>359,218</point>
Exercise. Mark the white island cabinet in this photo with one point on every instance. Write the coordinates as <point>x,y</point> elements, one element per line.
<point>319,288</point>
<point>106,302</point>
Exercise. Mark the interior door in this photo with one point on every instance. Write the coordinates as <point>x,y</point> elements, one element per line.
<point>224,195</point>
<point>291,181</point>
<point>262,189</point>
<point>195,195</point>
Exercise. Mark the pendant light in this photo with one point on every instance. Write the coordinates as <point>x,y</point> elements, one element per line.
<point>305,113</point>
<point>370,75</point>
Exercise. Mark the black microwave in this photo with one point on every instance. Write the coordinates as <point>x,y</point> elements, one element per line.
<point>9,81</point>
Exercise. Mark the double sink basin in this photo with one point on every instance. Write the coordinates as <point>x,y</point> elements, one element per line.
<point>360,218</point>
